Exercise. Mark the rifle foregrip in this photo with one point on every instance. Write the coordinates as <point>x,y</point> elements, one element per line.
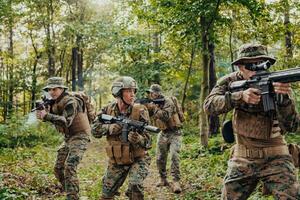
<point>152,129</point>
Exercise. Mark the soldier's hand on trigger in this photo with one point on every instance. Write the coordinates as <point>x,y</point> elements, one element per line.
<point>282,88</point>
<point>251,96</point>
<point>151,106</point>
<point>135,138</point>
<point>114,129</point>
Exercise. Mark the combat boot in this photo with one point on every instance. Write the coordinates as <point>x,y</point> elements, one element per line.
<point>176,187</point>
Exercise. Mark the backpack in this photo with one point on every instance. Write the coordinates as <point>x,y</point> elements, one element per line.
<point>178,109</point>
<point>88,102</point>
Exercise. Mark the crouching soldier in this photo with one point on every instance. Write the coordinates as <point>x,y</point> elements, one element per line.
<point>125,158</point>
<point>69,115</point>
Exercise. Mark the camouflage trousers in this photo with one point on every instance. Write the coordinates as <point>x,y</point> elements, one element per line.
<point>115,176</point>
<point>276,173</point>
<point>69,155</point>
<point>169,141</point>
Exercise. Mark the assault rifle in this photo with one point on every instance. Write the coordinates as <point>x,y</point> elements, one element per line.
<point>127,125</point>
<point>263,80</point>
<point>147,100</point>
<point>40,105</point>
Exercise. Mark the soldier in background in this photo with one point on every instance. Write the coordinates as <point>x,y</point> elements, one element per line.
<point>261,152</point>
<point>69,116</point>
<point>168,117</point>
<point>125,159</point>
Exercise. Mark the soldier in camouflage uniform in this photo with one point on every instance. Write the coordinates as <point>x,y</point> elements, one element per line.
<point>67,114</point>
<point>261,152</point>
<point>167,118</point>
<point>125,159</point>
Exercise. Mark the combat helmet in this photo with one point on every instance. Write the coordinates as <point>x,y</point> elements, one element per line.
<point>253,51</point>
<point>124,82</point>
<point>155,88</point>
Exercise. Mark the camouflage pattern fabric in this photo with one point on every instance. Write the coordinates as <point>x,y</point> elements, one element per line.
<point>169,141</point>
<point>276,173</point>
<point>220,100</point>
<point>115,176</point>
<point>164,112</point>
<point>136,172</point>
<point>71,151</point>
<point>69,156</point>
<point>71,109</point>
<point>55,82</point>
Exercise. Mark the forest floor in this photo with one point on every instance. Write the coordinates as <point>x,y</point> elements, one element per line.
<point>95,155</point>
<point>27,157</point>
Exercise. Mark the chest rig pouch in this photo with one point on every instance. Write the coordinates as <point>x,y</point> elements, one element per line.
<point>252,124</point>
<point>119,153</point>
<point>123,153</point>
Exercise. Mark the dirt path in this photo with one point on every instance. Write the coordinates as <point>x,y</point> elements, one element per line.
<point>94,164</point>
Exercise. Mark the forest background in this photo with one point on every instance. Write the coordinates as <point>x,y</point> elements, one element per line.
<point>184,45</point>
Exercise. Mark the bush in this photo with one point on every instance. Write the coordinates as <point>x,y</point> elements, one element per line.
<point>16,133</point>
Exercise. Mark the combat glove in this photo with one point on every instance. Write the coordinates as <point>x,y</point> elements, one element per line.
<point>135,138</point>
<point>151,107</point>
<point>114,129</point>
<point>98,130</point>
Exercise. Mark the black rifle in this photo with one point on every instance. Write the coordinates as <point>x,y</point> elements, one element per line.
<point>40,105</point>
<point>146,100</point>
<point>263,80</point>
<point>127,125</point>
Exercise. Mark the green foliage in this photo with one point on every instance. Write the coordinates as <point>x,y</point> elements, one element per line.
<point>27,156</point>
<point>17,134</point>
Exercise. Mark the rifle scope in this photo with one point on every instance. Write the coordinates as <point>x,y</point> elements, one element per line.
<point>260,67</point>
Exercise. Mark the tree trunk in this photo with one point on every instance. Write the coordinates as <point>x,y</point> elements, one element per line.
<point>50,47</point>
<point>288,33</point>
<point>11,69</point>
<point>213,120</point>
<point>230,47</point>
<point>156,47</point>
<point>188,74</point>
<point>80,70</point>
<point>33,88</point>
<point>74,66</point>
<point>204,85</point>
<point>34,76</point>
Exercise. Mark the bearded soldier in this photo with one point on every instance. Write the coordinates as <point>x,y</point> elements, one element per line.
<point>261,152</point>
<point>69,115</point>
<point>126,159</point>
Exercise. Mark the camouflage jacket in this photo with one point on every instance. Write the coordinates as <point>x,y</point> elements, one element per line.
<point>99,129</point>
<point>62,116</point>
<point>221,100</point>
<point>165,116</point>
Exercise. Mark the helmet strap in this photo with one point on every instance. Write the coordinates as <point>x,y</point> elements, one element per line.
<point>124,101</point>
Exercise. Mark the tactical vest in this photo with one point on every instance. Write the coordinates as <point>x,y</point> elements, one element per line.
<point>174,121</point>
<point>253,125</point>
<point>124,153</point>
<point>80,122</point>
<point>250,121</point>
